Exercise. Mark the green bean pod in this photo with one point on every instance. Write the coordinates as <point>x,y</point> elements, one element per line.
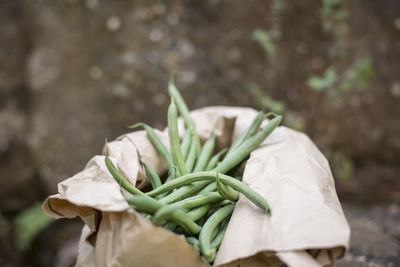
<point>194,242</point>
<point>192,155</point>
<point>206,232</point>
<point>122,181</point>
<point>226,191</point>
<point>216,241</point>
<point>203,259</point>
<point>183,109</point>
<point>152,206</point>
<point>152,175</point>
<point>183,192</point>
<point>214,160</point>
<point>176,150</point>
<point>186,141</point>
<point>158,145</point>
<point>170,226</point>
<point>199,200</point>
<point>205,154</point>
<point>247,147</point>
<point>174,214</point>
<point>210,187</point>
<point>198,145</point>
<point>255,125</point>
<point>211,176</point>
<point>199,212</point>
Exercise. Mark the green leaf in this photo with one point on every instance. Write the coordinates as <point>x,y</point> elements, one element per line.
<point>264,39</point>
<point>325,82</point>
<point>29,223</point>
<point>266,101</point>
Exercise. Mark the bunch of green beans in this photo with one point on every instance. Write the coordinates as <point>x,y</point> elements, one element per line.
<point>198,196</point>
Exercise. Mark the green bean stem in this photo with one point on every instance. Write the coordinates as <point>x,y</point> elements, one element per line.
<point>206,232</point>
<point>175,144</point>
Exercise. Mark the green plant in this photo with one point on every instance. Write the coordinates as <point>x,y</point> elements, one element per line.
<point>264,101</point>
<point>265,40</point>
<point>355,78</point>
<point>28,223</point>
<point>342,164</point>
<point>334,15</point>
<point>324,82</point>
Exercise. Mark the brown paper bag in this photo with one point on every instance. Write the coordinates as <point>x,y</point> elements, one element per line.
<point>307,226</point>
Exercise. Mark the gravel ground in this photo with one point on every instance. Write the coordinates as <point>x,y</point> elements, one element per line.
<point>375,239</point>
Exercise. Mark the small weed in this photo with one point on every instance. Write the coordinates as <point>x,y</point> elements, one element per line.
<point>29,223</point>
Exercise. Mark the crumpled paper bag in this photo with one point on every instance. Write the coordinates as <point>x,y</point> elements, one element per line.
<point>307,226</point>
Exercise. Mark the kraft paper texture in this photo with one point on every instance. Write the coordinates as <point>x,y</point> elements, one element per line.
<point>307,226</point>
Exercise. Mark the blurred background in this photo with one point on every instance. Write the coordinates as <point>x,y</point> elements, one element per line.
<point>73,72</point>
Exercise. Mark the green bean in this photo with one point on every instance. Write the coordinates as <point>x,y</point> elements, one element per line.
<point>189,189</point>
<point>211,176</point>
<point>255,125</point>
<point>186,141</point>
<point>172,173</point>
<point>158,145</point>
<point>198,145</point>
<point>217,239</point>
<point>199,200</point>
<point>194,242</point>
<point>162,212</point>
<point>183,109</point>
<point>196,213</point>
<point>199,212</point>
<point>203,259</point>
<point>175,144</point>
<point>248,146</point>
<point>144,204</point>
<point>152,175</point>
<point>226,191</point>
<point>210,187</point>
<point>170,226</point>
<point>208,228</point>
<point>174,214</point>
<point>122,181</point>
<point>214,160</point>
<point>202,220</point>
<point>191,156</point>
<point>205,154</point>
<point>185,190</point>
<point>236,168</point>
<point>182,192</point>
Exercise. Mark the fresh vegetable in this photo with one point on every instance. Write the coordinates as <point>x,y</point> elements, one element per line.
<point>198,196</point>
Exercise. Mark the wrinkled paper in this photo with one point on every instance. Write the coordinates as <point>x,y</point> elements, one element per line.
<point>307,226</point>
